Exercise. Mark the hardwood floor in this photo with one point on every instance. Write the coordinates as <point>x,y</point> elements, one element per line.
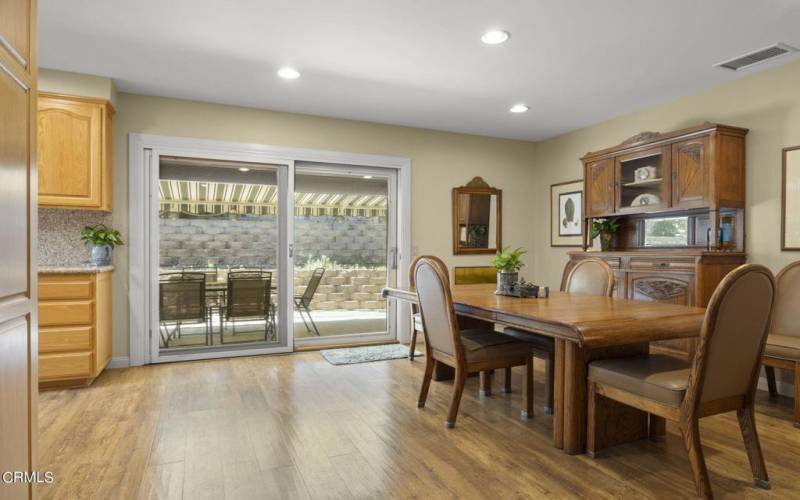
<point>294,426</point>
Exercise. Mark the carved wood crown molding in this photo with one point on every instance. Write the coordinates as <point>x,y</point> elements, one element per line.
<point>477,182</point>
<point>640,137</point>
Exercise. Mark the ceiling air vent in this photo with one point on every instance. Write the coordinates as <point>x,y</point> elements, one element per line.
<point>759,56</point>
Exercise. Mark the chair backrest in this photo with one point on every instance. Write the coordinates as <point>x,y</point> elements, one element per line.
<point>787,303</point>
<point>249,293</point>
<point>436,306</point>
<point>182,297</point>
<point>412,281</point>
<point>313,283</point>
<point>591,276</point>
<point>471,275</point>
<point>211,273</point>
<point>732,339</point>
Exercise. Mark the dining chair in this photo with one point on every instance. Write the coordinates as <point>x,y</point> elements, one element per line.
<point>783,342</point>
<point>181,299</point>
<point>468,351</point>
<point>722,377</point>
<point>303,301</point>
<point>249,296</point>
<point>589,276</point>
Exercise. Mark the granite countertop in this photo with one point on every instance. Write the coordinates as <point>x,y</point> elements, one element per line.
<point>78,268</point>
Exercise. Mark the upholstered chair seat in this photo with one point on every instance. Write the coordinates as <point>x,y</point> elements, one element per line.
<point>783,346</point>
<point>660,377</point>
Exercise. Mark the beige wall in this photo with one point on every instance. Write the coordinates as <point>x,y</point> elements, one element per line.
<point>439,162</point>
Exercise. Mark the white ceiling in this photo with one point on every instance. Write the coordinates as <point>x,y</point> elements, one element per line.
<point>418,62</point>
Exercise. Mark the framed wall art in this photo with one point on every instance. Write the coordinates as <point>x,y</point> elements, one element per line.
<point>790,199</point>
<point>566,214</point>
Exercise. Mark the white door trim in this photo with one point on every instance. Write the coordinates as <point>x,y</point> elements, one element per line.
<point>139,226</point>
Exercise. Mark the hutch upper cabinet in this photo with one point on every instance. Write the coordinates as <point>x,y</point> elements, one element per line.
<point>75,152</point>
<point>695,168</point>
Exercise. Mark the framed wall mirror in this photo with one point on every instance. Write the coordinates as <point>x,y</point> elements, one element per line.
<point>477,218</point>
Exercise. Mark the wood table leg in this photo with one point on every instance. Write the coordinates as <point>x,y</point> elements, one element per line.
<point>657,428</point>
<point>574,409</point>
<point>558,395</point>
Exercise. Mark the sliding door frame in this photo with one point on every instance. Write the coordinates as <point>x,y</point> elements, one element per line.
<point>140,241</point>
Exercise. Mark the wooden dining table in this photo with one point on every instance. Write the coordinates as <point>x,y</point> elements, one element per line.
<point>585,328</point>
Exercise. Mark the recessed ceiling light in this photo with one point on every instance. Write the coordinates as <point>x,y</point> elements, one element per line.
<point>367,176</point>
<point>495,37</point>
<point>288,73</point>
<point>244,169</point>
<point>519,108</point>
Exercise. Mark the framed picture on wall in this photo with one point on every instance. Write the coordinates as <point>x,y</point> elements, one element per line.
<point>790,199</point>
<point>566,214</point>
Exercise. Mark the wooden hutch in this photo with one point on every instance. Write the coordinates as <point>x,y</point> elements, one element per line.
<point>679,198</point>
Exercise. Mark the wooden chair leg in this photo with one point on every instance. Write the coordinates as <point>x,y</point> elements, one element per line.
<point>426,382</point>
<point>771,385</point>
<point>549,384</point>
<point>747,424</point>
<point>458,390</point>
<point>691,439</point>
<point>507,381</point>
<point>486,383</point>
<point>528,411</point>
<point>797,394</point>
<point>413,347</point>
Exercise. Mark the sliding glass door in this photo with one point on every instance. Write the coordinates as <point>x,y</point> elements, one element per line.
<point>218,239</point>
<point>254,257</point>
<point>344,253</point>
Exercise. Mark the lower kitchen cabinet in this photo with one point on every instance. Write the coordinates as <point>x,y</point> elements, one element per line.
<point>74,328</point>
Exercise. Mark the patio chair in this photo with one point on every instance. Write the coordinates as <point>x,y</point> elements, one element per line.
<point>181,299</point>
<point>303,302</point>
<point>249,296</point>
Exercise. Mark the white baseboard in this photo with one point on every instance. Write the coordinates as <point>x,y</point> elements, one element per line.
<point>119,362</point>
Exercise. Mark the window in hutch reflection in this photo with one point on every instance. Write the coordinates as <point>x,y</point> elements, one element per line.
<point>666,232</point>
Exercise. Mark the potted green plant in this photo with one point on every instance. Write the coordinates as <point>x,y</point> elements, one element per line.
<point>102,241</point>
<point>605,229</point>
<point>508,263</point>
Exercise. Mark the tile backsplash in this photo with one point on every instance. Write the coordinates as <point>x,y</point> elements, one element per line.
<point>60,235</point>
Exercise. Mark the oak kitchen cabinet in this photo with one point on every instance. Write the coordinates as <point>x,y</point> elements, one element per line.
<point>74,327</point>
<point>75,136</point>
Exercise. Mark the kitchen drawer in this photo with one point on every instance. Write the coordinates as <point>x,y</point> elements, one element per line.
<point>65,366</point>
<point>66,313</point>
<point>62,339</point>
<point>65,286</point>
<point>662,264</point>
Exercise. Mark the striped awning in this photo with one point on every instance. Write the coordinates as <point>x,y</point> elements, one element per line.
<point>199,197</point>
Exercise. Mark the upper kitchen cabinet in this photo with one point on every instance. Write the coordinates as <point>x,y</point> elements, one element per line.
<point>15,31</point>
<point>75,152</point>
